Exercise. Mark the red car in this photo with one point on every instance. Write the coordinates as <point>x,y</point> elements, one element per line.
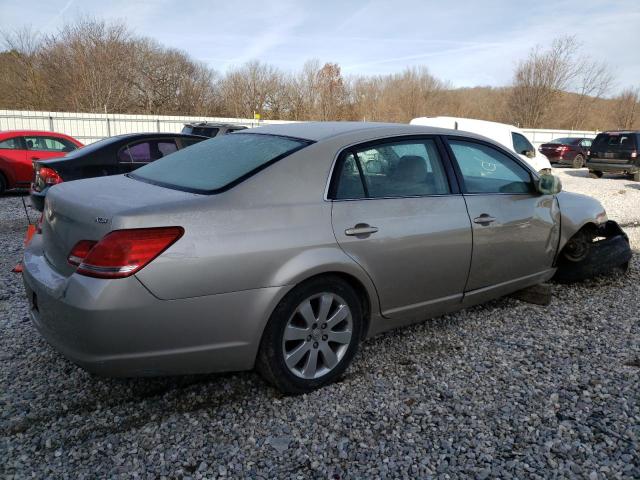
<point>569,151</point>
<point>20,148</point>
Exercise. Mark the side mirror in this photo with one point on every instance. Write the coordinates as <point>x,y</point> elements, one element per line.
<point>548,184</point>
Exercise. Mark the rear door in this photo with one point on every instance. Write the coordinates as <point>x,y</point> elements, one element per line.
<point>396,213</point>
<point>13,161</point>
<point>515,229</point>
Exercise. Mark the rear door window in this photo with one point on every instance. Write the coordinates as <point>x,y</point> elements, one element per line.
<point>392,169</point>
<point>615,141</point>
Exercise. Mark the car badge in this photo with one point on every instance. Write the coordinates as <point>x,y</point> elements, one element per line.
<point>102,220</point>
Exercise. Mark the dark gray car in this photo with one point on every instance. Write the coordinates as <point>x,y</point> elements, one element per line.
<point>283,247</point>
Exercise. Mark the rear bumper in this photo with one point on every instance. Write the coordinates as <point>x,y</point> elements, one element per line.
<point>118,328</point>
<point>606,255</point>
<point>613,167</point>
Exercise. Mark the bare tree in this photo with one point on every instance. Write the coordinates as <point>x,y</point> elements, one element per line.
<point>539,80</point>
<point>593,81</point>
<point>627,108</point>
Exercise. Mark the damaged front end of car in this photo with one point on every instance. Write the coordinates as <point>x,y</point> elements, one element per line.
<point>595,250</point>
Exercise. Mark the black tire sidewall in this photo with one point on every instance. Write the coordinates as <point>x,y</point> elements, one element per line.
<point>3,184</point>
<point>270,362</point>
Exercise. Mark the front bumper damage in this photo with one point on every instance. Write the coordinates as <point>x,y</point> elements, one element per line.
<point>609,252</point>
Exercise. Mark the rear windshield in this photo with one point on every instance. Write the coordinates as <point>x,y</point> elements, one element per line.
<point>566,141</point>
<point>622,140</point>
<point>220,163</point>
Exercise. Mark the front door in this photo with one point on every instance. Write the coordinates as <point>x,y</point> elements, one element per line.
<point>396,214</point>
<point>515,228</point>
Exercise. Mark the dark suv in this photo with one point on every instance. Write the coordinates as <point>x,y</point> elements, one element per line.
<point>615,152</point>
<point>209,129</point>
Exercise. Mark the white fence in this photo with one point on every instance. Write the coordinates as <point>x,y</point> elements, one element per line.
<point>90,127</point>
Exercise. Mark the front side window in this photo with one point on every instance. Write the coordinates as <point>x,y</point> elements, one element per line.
<point>521,144</point>
<point>487,170</point>
<point>11,144</point>
<point>219,163</point>
<point>396,169</point>
<point>49,144</point>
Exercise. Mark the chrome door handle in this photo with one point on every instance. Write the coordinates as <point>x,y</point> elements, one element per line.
<point>360,229</point>
<point>484,219</point>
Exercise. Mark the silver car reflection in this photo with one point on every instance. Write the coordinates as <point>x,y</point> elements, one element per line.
<point>282,247</point>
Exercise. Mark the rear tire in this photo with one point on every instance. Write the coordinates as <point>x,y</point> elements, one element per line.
<point>312,336</point>
<point>595,174</point>
<point>578,161</point>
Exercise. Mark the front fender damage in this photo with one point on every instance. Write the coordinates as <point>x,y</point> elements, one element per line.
<point>608,251</point>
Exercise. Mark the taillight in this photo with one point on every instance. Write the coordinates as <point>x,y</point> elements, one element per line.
<point>562,148</point>
<point>122,253</point>
<point>46,176</point>
<point>634,154</point>
<point>80,251</point>
<point>588,153</point>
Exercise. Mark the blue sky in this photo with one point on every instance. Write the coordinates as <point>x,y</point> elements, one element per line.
<point>466,42</point>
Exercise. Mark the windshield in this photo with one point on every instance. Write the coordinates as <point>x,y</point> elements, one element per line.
<point>220,163</point>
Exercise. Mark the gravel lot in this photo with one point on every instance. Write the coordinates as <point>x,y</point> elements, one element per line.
<point>507,389</point>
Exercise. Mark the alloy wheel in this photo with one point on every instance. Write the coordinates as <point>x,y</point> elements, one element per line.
<point>317,335</point>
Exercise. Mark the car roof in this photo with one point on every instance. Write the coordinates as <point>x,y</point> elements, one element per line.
<point>619,132</point>
<point>213,124</point>
<point>33,132</point>
<point>316,131</point>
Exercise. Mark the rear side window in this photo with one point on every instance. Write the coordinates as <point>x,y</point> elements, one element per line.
<point>521,144</point>
<point>615,141</point>
<point>203,131</point>
<point>487,170</point>
<point>218,163</point>
<point>388,170</point>
<point>11,144</point>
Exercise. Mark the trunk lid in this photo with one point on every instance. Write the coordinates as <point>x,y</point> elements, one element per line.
<point>89,209</point>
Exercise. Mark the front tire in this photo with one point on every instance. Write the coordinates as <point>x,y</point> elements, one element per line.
<point>312,336</point>
<point>578,161</point>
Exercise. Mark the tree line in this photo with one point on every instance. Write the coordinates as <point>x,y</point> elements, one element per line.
<point>95,66</point>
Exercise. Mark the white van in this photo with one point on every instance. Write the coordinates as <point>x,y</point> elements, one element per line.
<point>511,137</point>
